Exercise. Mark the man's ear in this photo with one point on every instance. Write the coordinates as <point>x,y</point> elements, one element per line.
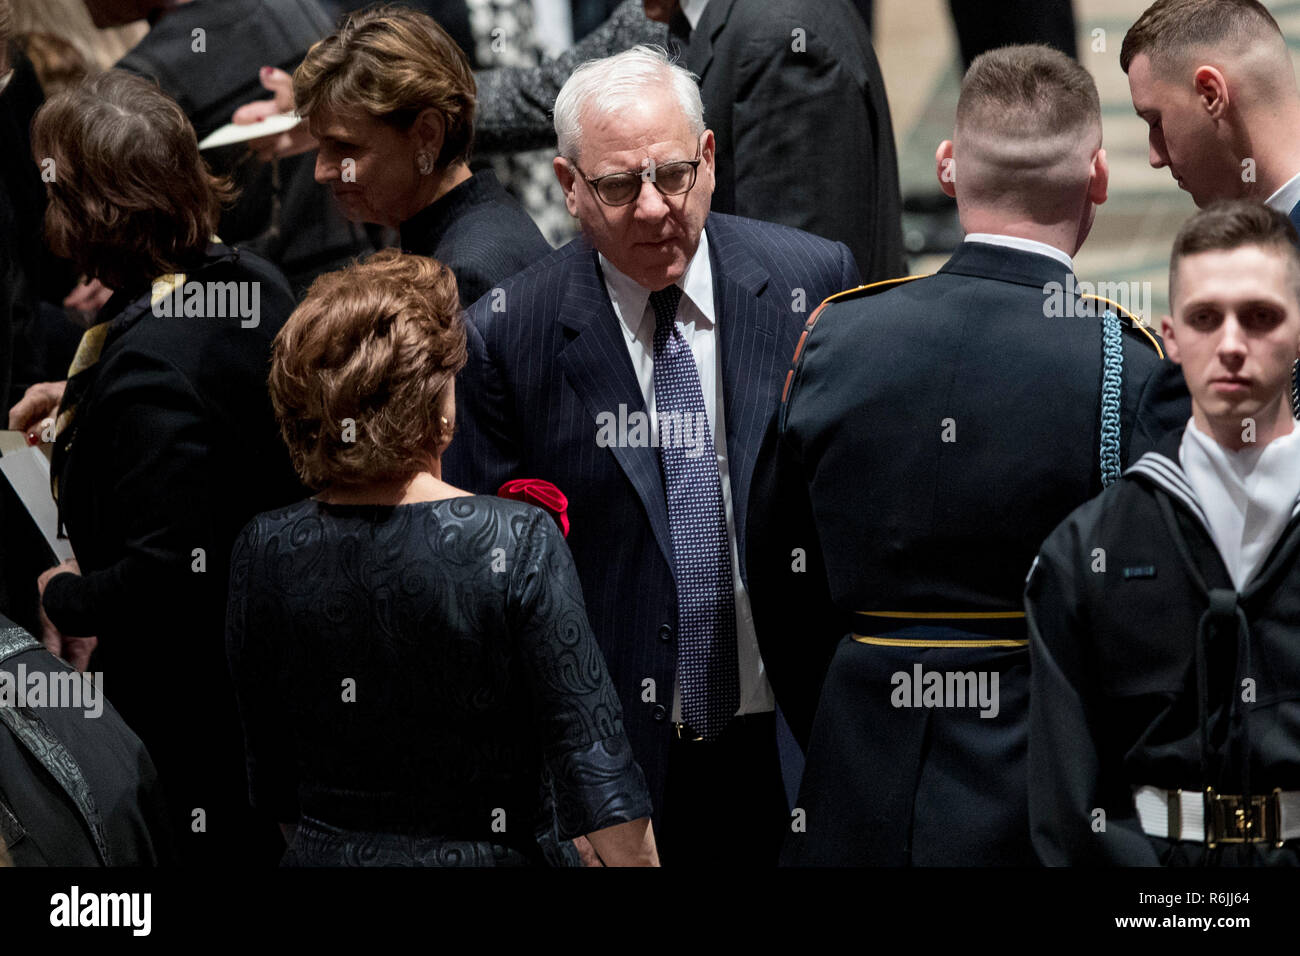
<point>1211,90</point>
<point>1171,342</point>
<point>568,178</point>
<point>1098,178</point>
<point>945,167</point>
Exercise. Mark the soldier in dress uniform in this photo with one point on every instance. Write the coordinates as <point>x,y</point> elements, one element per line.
<point>1164,615</point>
<point>932,431</point>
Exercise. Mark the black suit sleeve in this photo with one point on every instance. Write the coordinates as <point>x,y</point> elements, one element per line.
<point>1072,820</point>
<point>486,450</point>
<point>159,480</point>
<point>797,623</point>
<point>1164,406</point>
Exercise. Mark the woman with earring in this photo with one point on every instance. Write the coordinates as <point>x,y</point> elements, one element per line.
<point>390,99</point>
<point>416,675</point>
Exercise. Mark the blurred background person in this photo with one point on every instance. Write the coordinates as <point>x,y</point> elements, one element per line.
<point>414,663</point>
<point>281,213</point>
<point>390,98</point>
<point>36,342</point>
<point>166,442</point>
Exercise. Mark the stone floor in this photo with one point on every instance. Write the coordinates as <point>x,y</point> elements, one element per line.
<point>1130,240</point>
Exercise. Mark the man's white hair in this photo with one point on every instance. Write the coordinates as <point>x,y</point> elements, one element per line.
<point>605,86</point>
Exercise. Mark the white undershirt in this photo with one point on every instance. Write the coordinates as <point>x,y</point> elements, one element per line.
<point>1286,197</point>
<point>1247,495</point>
<point>697,321</point>
<point>1024,245</point>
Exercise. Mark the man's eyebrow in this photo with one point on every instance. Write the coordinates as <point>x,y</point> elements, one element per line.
<point>1219,305</point>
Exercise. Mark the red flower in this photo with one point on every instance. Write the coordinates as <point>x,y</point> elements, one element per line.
<point>535,491</point>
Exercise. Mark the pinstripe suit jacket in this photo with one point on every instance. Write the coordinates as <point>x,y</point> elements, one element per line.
<point>547,356</point>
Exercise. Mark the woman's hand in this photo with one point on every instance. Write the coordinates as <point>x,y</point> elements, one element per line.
<point>626,844</point>
<point>87,299</point>
<point>291,143</point>
<point>38,403</point>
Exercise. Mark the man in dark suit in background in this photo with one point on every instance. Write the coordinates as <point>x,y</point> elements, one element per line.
<point>794,95</point>
<point>930,437</point>
<point>211,72</point>
<point>637,368</point>
<point>1213,80</point>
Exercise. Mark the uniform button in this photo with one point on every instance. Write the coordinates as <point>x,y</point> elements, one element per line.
<point>665,632</point>
<point>660,712</point>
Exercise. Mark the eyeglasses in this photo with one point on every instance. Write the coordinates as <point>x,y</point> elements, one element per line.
<point>671,179</point>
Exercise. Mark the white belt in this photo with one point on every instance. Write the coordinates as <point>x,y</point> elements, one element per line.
<point>1180,815</point>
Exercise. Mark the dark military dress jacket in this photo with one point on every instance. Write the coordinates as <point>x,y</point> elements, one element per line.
<point>932,433</point>
<point>1151,671</point>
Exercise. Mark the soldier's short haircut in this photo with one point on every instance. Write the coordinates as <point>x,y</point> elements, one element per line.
<point>1028,127</point>
<point>1030,89</point>
<point>1231,224</point>
<point>1170,28</point>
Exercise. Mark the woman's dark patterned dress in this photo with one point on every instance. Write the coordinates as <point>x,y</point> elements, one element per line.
<point>419,685</point>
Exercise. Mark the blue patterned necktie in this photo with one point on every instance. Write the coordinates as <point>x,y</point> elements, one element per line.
<point>707,671</point>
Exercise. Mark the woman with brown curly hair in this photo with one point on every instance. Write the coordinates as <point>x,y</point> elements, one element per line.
<point>417,678</point>
<point>165,441</point>
<point>390,98</point>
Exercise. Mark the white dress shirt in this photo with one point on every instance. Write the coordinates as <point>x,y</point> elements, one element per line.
<point>697,321</point>
<point>1286,197</point>
<point>1024,245</point>
<point>693,10</point>
<point>1247,495</point>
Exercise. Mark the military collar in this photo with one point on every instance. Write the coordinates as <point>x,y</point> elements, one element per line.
<point>1033,269</point>
<point>1163,468</point>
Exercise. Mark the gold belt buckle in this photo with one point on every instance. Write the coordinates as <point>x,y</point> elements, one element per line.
<point>1233,819</point>
<point>684,732</point>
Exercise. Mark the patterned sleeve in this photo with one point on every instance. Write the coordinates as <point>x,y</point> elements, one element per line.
<point>513,112</point>
<point>579,719</point>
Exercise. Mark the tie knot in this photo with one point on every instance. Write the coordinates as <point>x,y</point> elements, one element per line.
<point>664,302</point>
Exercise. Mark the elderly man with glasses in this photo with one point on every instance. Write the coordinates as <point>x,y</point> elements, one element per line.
<point>637,368</point>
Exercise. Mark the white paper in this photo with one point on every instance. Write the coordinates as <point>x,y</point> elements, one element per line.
<point>242,132</point>
<point>28,472</point>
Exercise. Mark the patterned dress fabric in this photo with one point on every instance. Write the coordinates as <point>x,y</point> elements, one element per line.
<point>420,685</point>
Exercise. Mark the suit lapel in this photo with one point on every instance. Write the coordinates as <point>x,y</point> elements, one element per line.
<point>699,52</point>
<point>757,340</point>
<point>596,363</point>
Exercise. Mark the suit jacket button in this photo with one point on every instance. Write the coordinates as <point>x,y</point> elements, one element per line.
<point>660,712</point>
<point>665,632</point>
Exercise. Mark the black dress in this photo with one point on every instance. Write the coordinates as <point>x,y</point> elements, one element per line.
<point>479,232</point>
<point>419,685</point>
